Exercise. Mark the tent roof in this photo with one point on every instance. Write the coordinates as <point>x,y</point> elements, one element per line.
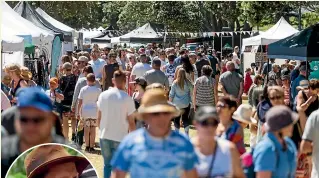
<point>108,33</point>
<point>280,30</point>
<point>300,46</point>
<point>17,25</point>
<point>55,23</point>
<point>24,9</point>
<point>147,33</point>
<point>11,42</point>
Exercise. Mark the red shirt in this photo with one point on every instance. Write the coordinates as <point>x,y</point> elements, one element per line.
<point>247,83</point>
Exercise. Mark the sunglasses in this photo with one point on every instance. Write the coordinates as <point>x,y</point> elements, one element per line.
<point>207,123</point>
<point>160,113</point>
<point>68,70</point>
<point>275,97</point>
<point>35,120</point>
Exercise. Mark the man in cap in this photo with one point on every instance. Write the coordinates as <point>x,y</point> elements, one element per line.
<point>310,141</point>
<point>115,118</point>
<point>53,161</point>
<point>156,151</point>
<point>34,125</point>
<point>156,75</point>
<point>296,82</point>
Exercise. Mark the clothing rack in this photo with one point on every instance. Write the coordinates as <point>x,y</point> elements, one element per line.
<point>38,69</point>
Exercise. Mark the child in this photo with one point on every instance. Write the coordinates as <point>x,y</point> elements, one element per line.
<point>248,81</point>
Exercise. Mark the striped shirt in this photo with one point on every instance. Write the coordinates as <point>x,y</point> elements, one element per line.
<point>205,91</point>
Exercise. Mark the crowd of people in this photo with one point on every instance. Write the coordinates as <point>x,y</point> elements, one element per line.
<point>140,99</point>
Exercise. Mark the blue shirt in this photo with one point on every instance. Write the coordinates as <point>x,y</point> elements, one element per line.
<point>147,157</point>
<point>97,66</point>
<point>269,156</point>
<point>181,98</point>
<point>177,61</point>
<point>295,84</point>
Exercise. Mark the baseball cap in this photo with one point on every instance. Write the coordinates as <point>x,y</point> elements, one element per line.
<point>140,81</point>
<point>279,117</point>
<point>205,112</point>
<point>34,97</point>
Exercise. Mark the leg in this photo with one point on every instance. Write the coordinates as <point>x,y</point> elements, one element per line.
<point>86,135</point>
<point>177,123</point>
<point>186,120</point>
<point>65,126</point>
<point>73,125</point>
<point>92,136</point>
<point>106,150</point>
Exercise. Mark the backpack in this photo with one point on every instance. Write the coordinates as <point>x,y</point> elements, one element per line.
<point>247,162</point>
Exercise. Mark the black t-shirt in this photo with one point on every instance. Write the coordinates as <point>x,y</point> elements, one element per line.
<point>10,151</point>
<point>109,70</point>
<point>199,65</point>
<point>67,86</point>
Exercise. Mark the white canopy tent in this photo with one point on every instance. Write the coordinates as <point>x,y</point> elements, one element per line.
<point>21,26</point>
<point>144,32</point>
<point>12,48</point>
<point>280,30</point>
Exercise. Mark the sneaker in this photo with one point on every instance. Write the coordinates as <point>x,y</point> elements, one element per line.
<point>87,149</point>
<point>73,137</point>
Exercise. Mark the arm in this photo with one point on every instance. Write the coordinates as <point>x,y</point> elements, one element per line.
<point>237,170</point>
<point>263,174</point>
<point>223,90</point>
<point>59,95</point>
<point>301,108</point>
<point>79,106</point>
<point>193,77</point>
<point>75,95</point>
<point>194,97</point>
<point>131,122</point>
<point>118,174</point>
<point>241,90</point>
<point>172,92</point>
<point>250,95</point>
<point>216,90</point>
<point>99,116</point>
<point>309,133</point>
<point>23,84</point>
<point>190,174</point>
<point>103,76</point>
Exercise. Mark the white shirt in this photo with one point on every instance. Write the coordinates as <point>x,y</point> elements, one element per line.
<point>97,67</point>
<point>235,57</point>
<point>140,69</point>
<point>115,105</point>
<point>89,96</point>
<point>5,102</point>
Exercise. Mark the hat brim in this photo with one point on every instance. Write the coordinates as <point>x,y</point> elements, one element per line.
<point>295,118</point>
<point>302,87</point>
<point>80,162</point>
<point>39,106</point>
<point>251,121</point>
<point>158,108</point>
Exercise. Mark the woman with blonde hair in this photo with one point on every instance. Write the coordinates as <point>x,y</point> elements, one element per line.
<point>180,95</point>
<point>27,77</point>
<point>14,71</point>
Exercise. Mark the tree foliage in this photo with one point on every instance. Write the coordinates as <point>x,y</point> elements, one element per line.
<point>182,16</point>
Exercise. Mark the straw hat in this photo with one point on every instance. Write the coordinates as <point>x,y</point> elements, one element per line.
<point>39,160</point>
<point>244,114</point>
<point>155,101</point>
<point>25,73</point>
<point>303,84</point>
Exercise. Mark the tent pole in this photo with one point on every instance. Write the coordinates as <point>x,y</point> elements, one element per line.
<point>221,45</point>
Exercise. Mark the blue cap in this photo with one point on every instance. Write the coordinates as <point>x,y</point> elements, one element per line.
<point>34,97</point>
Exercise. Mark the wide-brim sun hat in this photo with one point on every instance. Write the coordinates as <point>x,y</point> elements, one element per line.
<point>279,117</point>
<point>155,101</point>
<point>244,114</point>
<point>39,160</point>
